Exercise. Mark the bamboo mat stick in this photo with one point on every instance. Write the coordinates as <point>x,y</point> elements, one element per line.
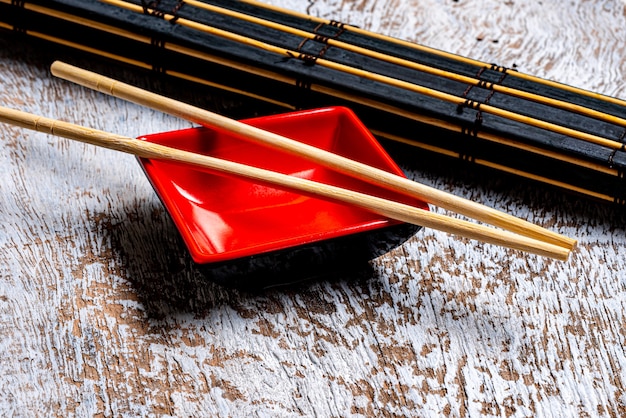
<point>390,209</point>
<point>347,166</point>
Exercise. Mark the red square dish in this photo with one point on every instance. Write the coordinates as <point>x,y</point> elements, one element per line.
<point>222,218</point>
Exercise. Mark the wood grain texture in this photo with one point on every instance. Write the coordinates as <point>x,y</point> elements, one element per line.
<point>103,314</point>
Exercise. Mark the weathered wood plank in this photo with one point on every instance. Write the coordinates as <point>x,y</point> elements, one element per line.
<point>102,313</point>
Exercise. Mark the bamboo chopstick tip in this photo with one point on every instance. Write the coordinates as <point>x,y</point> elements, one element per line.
<point>66,71</point>
<point>564,252</point>
<point>57,67</point>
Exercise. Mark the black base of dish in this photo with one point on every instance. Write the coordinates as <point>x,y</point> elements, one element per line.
<point>307,262</point>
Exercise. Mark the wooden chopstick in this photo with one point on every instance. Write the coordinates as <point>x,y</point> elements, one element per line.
<point>390,209</point>
<point>345,165</point>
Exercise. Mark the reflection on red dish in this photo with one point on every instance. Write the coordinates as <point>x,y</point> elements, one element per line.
<point>221,217</point>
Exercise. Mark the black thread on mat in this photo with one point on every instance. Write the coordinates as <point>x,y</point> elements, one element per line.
<point>179,5</point>
<point>620,194</point>
<point>338,25</point>
<point>611,159</point>
<point>21,22</point>
<point>473,131</point>
<point>619,199</point>
<point>151,8</point>
<point>157,47</point>
<point>471,86</point>
<point>466,148</point>
<point>490,86</point>
<point>323,39</point>
<point>159,43</point>
<point>301,44</point>
<point>307,58</point>
<point>500,68</point>
<point>318,38</point>
<point>470,104</point>
<point>484,84</point>
<point>468,158</point>
<point>475,128</point>
<point>335,24</point>
<point>302,99</point>
<point>470,130</point>
<point>303,84</point>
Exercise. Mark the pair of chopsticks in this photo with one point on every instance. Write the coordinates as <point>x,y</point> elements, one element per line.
<point>518,234</point>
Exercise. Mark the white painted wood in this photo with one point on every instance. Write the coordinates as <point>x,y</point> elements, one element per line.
<point>101,313</point>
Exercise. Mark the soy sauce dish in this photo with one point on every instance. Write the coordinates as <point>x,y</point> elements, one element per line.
<point>249,235</point>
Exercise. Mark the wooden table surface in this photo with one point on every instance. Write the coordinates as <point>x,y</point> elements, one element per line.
<point>103,314</point>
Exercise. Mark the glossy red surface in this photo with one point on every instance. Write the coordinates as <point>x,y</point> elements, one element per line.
<point>223,217</point>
